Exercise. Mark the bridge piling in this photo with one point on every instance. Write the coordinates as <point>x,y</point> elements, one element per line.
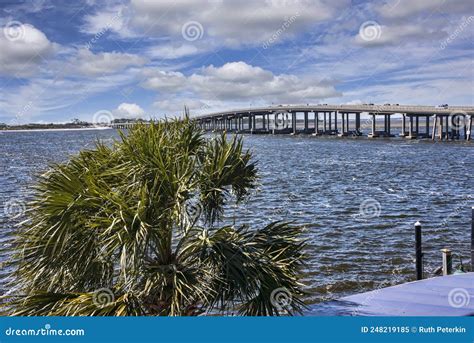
<point>469,129</point>
<point>316,123</point>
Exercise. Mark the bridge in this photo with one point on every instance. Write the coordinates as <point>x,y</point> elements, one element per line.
<point>443,123</point>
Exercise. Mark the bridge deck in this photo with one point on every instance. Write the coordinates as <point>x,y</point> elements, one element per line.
<point>378,109</point>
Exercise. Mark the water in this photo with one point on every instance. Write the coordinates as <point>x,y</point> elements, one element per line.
<point>357,199</point>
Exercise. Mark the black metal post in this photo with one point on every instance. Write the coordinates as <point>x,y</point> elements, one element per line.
<point>419,252</point>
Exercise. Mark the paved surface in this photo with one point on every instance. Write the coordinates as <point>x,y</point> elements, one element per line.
<point>451,295</point>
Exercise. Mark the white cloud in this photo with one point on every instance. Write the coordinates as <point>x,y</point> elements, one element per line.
<point>113,19</point>
<point>406,8</point>
<point>231,23</point>
<point>62,98</point>
<point>379,35</point>
<point>163,80</point>
<point>127,110</point>
<point>90,64</point>
<point>238,72</point>
<point>168,51</point>
<point>23,49</point>
<point>239,81</point>
<point>176,105</point>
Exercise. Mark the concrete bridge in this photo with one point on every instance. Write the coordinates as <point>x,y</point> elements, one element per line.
<point>443,123</point>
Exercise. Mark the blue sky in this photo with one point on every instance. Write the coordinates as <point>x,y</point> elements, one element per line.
<point>139,58</point>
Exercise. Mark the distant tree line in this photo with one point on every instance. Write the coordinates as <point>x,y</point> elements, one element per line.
<point>73,124</point>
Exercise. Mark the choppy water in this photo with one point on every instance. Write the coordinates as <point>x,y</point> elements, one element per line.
<point>357,198</point>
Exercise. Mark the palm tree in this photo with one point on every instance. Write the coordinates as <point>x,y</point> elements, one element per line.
<point>132,229</point>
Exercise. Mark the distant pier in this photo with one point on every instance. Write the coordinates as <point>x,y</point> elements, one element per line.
<point>437,123</point>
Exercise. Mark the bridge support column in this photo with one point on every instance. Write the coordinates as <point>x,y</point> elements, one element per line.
<point>469,128</point>
<point>447,127</point>
<point>435,126</point>
<point>316,123</point>
<point>335,122</point>
<point>330,122</point>
<point>373,134</point>
<point>357,125</point>
<point>373,125</point>
<point>306,126</point>
<point>404,125</point>
<point>347,122</point>
<point>293,122</point>
<point>410,132</point>
<point>440,128</point>
<point>343,122</point>
<point>427,126</point>
<point>465,126</point>
<point>325,129</point>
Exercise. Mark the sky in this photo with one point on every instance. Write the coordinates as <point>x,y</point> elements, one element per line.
<point>111,59</point>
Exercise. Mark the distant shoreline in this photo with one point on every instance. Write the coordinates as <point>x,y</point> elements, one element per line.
<point>55,129</point>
